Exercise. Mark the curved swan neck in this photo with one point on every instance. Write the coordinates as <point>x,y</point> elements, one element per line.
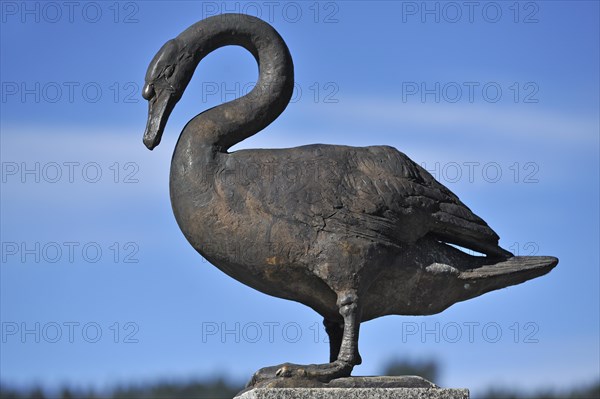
<point>234,121</point>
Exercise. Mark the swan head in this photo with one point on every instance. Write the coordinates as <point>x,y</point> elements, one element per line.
<point>167,77</point>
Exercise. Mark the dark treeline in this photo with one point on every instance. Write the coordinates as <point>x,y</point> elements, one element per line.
<point>591,391</point>
<point>219,389</point>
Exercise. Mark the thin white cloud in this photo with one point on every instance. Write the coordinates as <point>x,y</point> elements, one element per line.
<point>519,121</point>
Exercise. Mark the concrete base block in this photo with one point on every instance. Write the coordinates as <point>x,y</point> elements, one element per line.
<point>355,393</point>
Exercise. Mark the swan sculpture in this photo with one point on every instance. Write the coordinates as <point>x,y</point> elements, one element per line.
<point>353,233</point>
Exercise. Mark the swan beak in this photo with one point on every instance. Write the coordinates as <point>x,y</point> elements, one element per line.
<point>160,106</point>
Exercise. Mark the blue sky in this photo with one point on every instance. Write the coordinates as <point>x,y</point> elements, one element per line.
<point>90,245</point>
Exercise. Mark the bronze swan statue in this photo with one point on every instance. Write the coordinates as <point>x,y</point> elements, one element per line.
<point>354,233</point>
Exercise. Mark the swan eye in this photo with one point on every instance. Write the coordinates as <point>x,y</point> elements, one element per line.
<point>169,71</point>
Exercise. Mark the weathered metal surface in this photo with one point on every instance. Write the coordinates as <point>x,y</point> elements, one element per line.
<point>354,233</point>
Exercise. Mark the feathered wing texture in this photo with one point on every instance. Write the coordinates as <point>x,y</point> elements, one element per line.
<point>378,189</point>
<point>408,192</point>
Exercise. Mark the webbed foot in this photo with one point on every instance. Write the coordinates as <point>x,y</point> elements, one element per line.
<point>316,372</point>
<point>345,347</point>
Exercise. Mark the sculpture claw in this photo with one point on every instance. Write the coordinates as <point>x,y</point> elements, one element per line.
<point>266,374</point>
<point>287,372</point>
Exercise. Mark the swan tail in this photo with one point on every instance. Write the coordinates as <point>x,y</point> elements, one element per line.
<point>515,270</point>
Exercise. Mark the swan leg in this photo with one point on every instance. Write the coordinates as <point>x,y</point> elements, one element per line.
<point>349,309</point>
<point>347,356</point>
<point>335,331</point>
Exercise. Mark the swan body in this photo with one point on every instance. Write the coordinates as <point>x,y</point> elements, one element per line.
<point>354,233</point>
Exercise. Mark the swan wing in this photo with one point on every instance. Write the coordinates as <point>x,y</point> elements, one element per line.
<point>395,187</point>
<point>377,192</point>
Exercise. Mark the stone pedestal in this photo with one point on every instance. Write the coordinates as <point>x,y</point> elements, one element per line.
<point>355,393</point>
<point>401,387</point>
